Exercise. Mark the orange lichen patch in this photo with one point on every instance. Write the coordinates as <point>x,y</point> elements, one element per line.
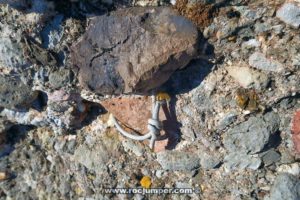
<point>200,14</point>
<point>241,98</point>
<point>247,99</point>
<point>146,182</point>
<point>296,131</point>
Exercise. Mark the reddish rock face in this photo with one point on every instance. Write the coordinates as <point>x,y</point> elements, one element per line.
<point>296,131</point>
<point>134,112</point>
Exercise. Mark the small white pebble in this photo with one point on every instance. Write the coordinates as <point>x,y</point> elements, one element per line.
<point>110,121</point>
<point>173,2</point>
<point>159,173</point>
<point>49,158</point>
<point>246,112</point>
<point>289,168</point>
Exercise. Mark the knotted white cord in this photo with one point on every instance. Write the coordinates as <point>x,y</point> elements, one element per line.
<point>154,126</point>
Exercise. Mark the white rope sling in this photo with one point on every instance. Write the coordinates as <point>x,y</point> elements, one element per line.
<point>154,125</point>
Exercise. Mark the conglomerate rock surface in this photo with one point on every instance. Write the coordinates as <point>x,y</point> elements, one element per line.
<point>230,129</point>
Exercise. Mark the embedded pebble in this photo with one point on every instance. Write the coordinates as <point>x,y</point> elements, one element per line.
<point>129,145</point>
<point>286,186</point>
<point>270,157</point>
<point>252,135</point>
<point>238,161</point>
<point>290,14</point>
<point>176,160</point>
<point>259,61</point>
<point>247,77</point>
<point>293,169</point>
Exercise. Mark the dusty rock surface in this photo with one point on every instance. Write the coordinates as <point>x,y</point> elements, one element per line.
<point>230,130</point>
<point>134,50</point>
<point>133,112</point>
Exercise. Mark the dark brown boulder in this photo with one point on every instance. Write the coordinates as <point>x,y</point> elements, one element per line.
<point>133,50</point>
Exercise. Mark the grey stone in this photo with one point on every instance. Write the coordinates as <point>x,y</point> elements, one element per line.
<point>270,157</point>
<point>247,77</point>
<point>176,160</point>
<point>129,145</point>
<point>11,54</point>
<point>290,14</point>
<point>14,93</point>
<point>94,159</point>
<point>97,156</point>
<point>60,78</point>
<point>209,161</point>
<point>65,185</point>
<point>228,29</point>
<point>259,61</point>
<point>59,145</point>
<point>134,50</point>
<point>252,135</point>
<point>272,121</point>
<point>180,184</point>
<point>66,110</point>
<point>296,61</point>
<point>249,15</point>
<point>246,33</point>
<point>262,27</point>
<point>228,119</point>
<point>236,161</point>
<point>71,146</point>
<point>286,186</point>
<point>278,28</point>
<point>286,157</point>
<point>287,103</point>
<point>53,32</point>
<point>201,100</point>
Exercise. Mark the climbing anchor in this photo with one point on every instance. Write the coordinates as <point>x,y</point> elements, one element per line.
<point>154,125</point>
